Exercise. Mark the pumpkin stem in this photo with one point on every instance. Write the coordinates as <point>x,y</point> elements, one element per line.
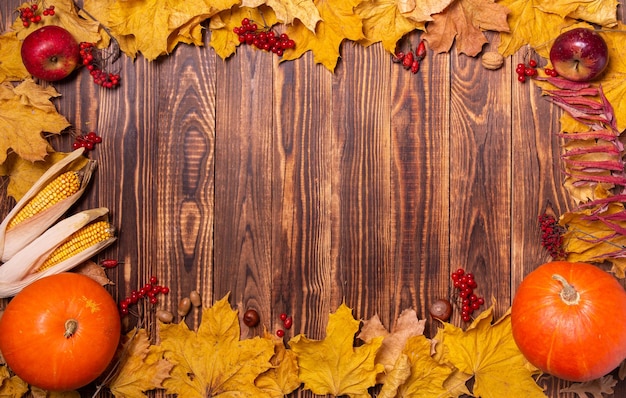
<point>569,295</point>
<point>71,325</point>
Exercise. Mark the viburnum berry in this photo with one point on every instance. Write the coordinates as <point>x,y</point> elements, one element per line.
<point>87,141</point>
<point>32,15</point>
<point>149,291</point>
<point>552,236</point>
<point>465,283</point>
<point>263,39</point>
<point>93,60</point>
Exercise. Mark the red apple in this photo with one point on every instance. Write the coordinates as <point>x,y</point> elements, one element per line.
<point>50,53</point>
<point>579,54</point>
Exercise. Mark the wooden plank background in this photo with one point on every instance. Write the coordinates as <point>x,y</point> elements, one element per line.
<point>296,189</point>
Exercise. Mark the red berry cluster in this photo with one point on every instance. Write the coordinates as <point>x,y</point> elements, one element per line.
<point>30,14</point>
<point>465,283</point>
<point>287,321</point>
<point>263,39</point>
<point>551,72</point>
<point>87,141</point>
<point>411,61</point>
<point>150,291</point>
<point>526,71</point>
<point>93,62</point>
<point>552,236</point>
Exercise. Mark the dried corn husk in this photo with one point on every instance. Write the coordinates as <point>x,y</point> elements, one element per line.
<point>13,240</point>
<point>19,271</point>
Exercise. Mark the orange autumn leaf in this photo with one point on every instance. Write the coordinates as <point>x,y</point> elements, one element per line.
<point>384,22</point>
<point>339,23</point>
<point>213,360</point>
<point>141,368</point>
<point>289,10</point>
<point>334,365</point>
<point>488,352</point>
<point>464,22</point>
<point>26,111</point>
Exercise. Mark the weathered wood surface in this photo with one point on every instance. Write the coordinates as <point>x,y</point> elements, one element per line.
<point>296,189</point>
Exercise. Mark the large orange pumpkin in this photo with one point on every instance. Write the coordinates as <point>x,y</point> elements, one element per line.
<point>569,320</point>
<point>61,332</point>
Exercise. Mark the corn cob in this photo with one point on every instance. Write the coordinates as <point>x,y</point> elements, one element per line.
<point>80,240</point>
<point>62,187</point>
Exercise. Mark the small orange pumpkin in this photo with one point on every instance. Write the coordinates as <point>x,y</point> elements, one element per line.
<point>569,320</point>
<point>60,332</point>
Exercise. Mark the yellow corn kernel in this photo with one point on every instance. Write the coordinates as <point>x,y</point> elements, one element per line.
<point>80,240</point>
<point>63,186</point>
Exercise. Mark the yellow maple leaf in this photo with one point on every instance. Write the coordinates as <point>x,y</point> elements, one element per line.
<point>141,367</point>
<point>488,352</point>
<point>599,12</point>
<point>339,22</point>
<point>591,240</point>
<point>288,10</point>
<point>11,65</point>
<point>11,386</point>
<point>384,22</point>
<point>65,15</point>
<point>406,326</point>
<point>529,25</point>
<point>282,378</point>
<point>223,40</point>
<point>25,112</point>
<point>155,27</point>
<point>213,360</point>
<point>463,22</point>
<point>334,365</point>
<point>428,378</point>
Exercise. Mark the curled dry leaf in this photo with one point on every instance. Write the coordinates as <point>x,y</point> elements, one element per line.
<point>407,325</point>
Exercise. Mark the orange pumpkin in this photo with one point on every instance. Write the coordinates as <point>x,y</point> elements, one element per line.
<point>569,320</point>
<point>61,332</point>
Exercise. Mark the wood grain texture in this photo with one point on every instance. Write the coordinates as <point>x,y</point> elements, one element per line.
<point>293,189</point>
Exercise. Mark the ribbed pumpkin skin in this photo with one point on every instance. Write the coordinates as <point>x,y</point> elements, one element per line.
<point>33,325</point>
<point>579,342</point>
